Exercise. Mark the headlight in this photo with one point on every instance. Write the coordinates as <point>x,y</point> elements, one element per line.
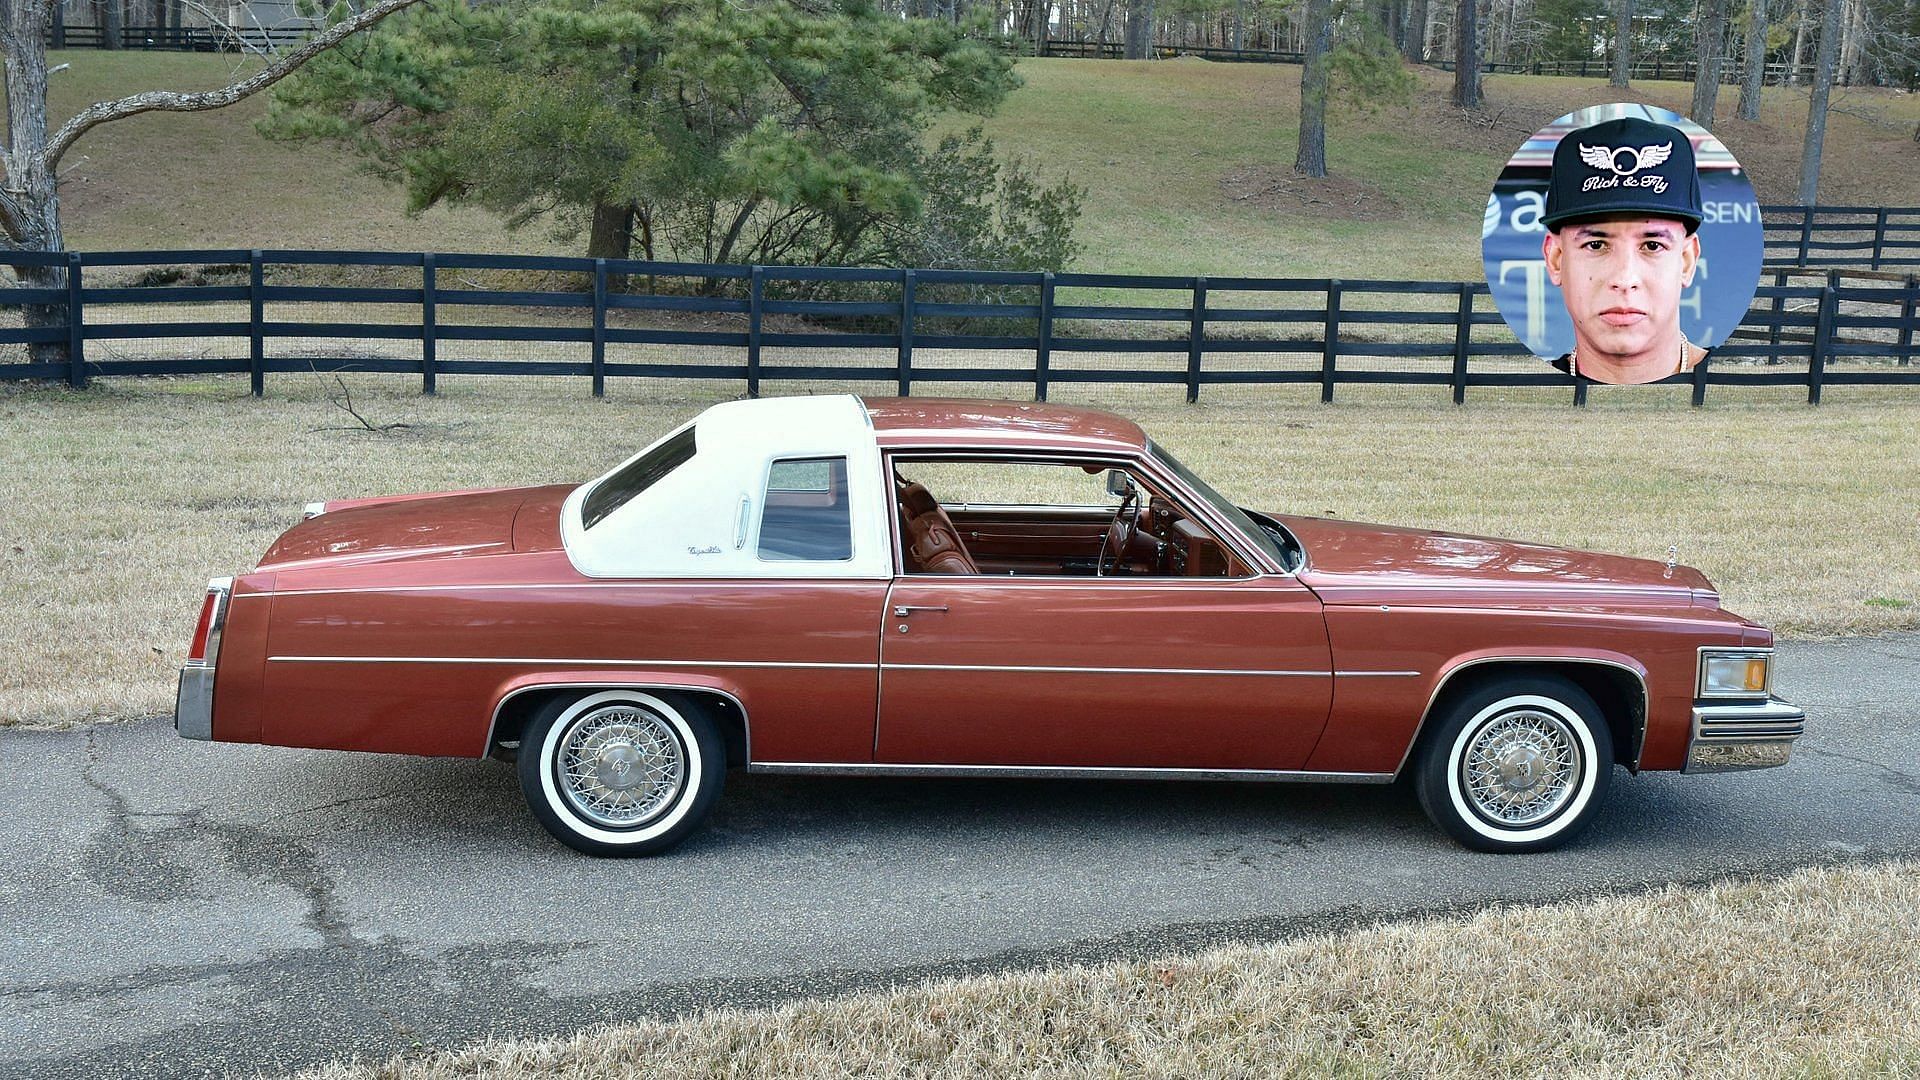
<point>1742,673</point>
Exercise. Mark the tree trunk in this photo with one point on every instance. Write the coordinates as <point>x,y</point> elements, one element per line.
<point>1709,36</point>
<point>1415,49</point>
<point>1139,30</point>
<point>1239,25</point>
<point>611,234</point>
<point>1311,157</point>
<point>733,230</point>
<point>1854,60</point>
<point>30,205</point>
<point>1622,44</point>
<point>1466,55</point>
<point>1817,107</point>
<point>1755,75</point>
<point>1799,44</point>
<point>112,19</point>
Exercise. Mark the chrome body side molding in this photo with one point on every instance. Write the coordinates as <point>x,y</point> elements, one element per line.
<point>1063,772</point>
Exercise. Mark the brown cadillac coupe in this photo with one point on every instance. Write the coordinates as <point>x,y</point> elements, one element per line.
<point>966,588</point>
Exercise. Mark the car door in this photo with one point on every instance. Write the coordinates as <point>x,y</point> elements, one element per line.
<point>1078,671</point>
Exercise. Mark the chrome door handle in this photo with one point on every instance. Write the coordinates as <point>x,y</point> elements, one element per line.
<point>901,611</point>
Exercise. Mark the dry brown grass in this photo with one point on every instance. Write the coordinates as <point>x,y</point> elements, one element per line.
<point>1817,974</point>
<point>118,503</point>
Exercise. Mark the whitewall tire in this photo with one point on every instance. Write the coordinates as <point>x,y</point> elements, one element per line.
<point>621,772</point>
<point>1521,764</point>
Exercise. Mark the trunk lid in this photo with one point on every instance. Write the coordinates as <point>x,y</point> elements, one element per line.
<point>457,525</point>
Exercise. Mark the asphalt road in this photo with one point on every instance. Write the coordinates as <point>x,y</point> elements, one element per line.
<point>179,908</point>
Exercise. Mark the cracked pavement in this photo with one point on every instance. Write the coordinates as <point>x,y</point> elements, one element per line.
<point>180,908</point>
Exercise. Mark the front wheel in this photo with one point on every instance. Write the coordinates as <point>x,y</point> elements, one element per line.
<point>621,772</point>
<point>1518,765</point>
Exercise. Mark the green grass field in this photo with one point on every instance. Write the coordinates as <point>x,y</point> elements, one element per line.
<point>1187,164</point>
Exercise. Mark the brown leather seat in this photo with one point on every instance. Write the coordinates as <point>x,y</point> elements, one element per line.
<point>929,535</point>
<point>915,500</point>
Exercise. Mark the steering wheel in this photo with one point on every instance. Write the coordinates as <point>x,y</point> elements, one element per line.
<point>1120,532</point>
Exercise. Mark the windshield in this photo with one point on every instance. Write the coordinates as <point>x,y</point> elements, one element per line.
<point>1258,532</point>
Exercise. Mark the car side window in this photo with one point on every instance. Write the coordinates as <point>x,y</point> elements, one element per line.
<point>639,475</point>
<point>805,515</point>
<point>1047,518</point>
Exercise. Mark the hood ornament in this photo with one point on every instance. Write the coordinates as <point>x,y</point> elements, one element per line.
<point>1673,557</point>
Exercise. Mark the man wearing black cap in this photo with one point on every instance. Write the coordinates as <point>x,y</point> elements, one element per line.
<point>1622,214</point>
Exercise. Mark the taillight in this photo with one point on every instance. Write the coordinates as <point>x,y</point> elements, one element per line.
<point>213,616</point>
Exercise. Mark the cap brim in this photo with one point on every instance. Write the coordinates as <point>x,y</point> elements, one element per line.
<point>1553,222</point>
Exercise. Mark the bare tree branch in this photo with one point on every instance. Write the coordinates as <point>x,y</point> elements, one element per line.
<point>13,222</point>
<point>344,400</point>
<point>174,101</point>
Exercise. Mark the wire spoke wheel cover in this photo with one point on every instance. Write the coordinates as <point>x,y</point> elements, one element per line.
<point>1518,768</point>
<point>620,765</point>
<point>622,770</point>
<point>1519,763</point>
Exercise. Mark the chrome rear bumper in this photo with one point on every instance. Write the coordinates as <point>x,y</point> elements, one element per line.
<point>1748,735</point>
<point>193,705</point>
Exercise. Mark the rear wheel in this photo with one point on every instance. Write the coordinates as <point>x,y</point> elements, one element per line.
<point>1517,765</point>
<point>621,772</point>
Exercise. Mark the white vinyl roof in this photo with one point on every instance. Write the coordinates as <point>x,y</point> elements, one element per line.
<point>703,518</point>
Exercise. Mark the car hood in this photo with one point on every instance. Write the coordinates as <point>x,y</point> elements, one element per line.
<point>457,524</point>
<point>1357,563</point>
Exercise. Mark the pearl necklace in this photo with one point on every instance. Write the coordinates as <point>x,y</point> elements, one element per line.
<point>1686,348</point>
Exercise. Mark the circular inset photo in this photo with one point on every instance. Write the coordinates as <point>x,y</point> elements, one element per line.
<point>1622,242</point>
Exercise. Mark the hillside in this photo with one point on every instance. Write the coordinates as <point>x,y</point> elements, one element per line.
<point>1187,164</point>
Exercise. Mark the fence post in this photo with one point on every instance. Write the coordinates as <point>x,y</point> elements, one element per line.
<point>599,328</point>
<point>907,304</point>
<point>753,332</point>
<point>429,329</point>
<point>1462,338</point>
<point>257,320</point>
<point>1700,381</point>
<point>1906,324</point>
<point>1196,336</point>
<point>1822,340</point>
<point>1879,235</point>
<point>1779,311</point>
<point>76,329</point>
<point>1580,390</point>
<point>1806,232</point>
<point>1043,355</point>
<point>1330,348</point>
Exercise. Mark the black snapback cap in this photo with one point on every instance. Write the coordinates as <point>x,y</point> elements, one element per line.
<point>1619,166</point>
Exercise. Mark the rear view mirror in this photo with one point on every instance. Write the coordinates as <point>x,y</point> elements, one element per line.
<point>1119,484</point>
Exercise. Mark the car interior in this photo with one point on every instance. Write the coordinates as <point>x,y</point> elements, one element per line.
<point>1035,519</point>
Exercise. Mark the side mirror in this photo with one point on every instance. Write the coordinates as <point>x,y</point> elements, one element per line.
<point>1119,484</point>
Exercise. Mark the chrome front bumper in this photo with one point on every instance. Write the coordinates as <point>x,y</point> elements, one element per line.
<point>193,705</point>
<point>1748,735</point>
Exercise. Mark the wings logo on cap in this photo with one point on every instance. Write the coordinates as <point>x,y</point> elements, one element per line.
<point>1606,157</point>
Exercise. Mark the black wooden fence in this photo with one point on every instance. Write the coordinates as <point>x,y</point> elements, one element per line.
<point>1846,237</point>
<point>1657,68</point>
<point>180,38</point>
<point>1806,328</point>
<point>1732,72</point>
